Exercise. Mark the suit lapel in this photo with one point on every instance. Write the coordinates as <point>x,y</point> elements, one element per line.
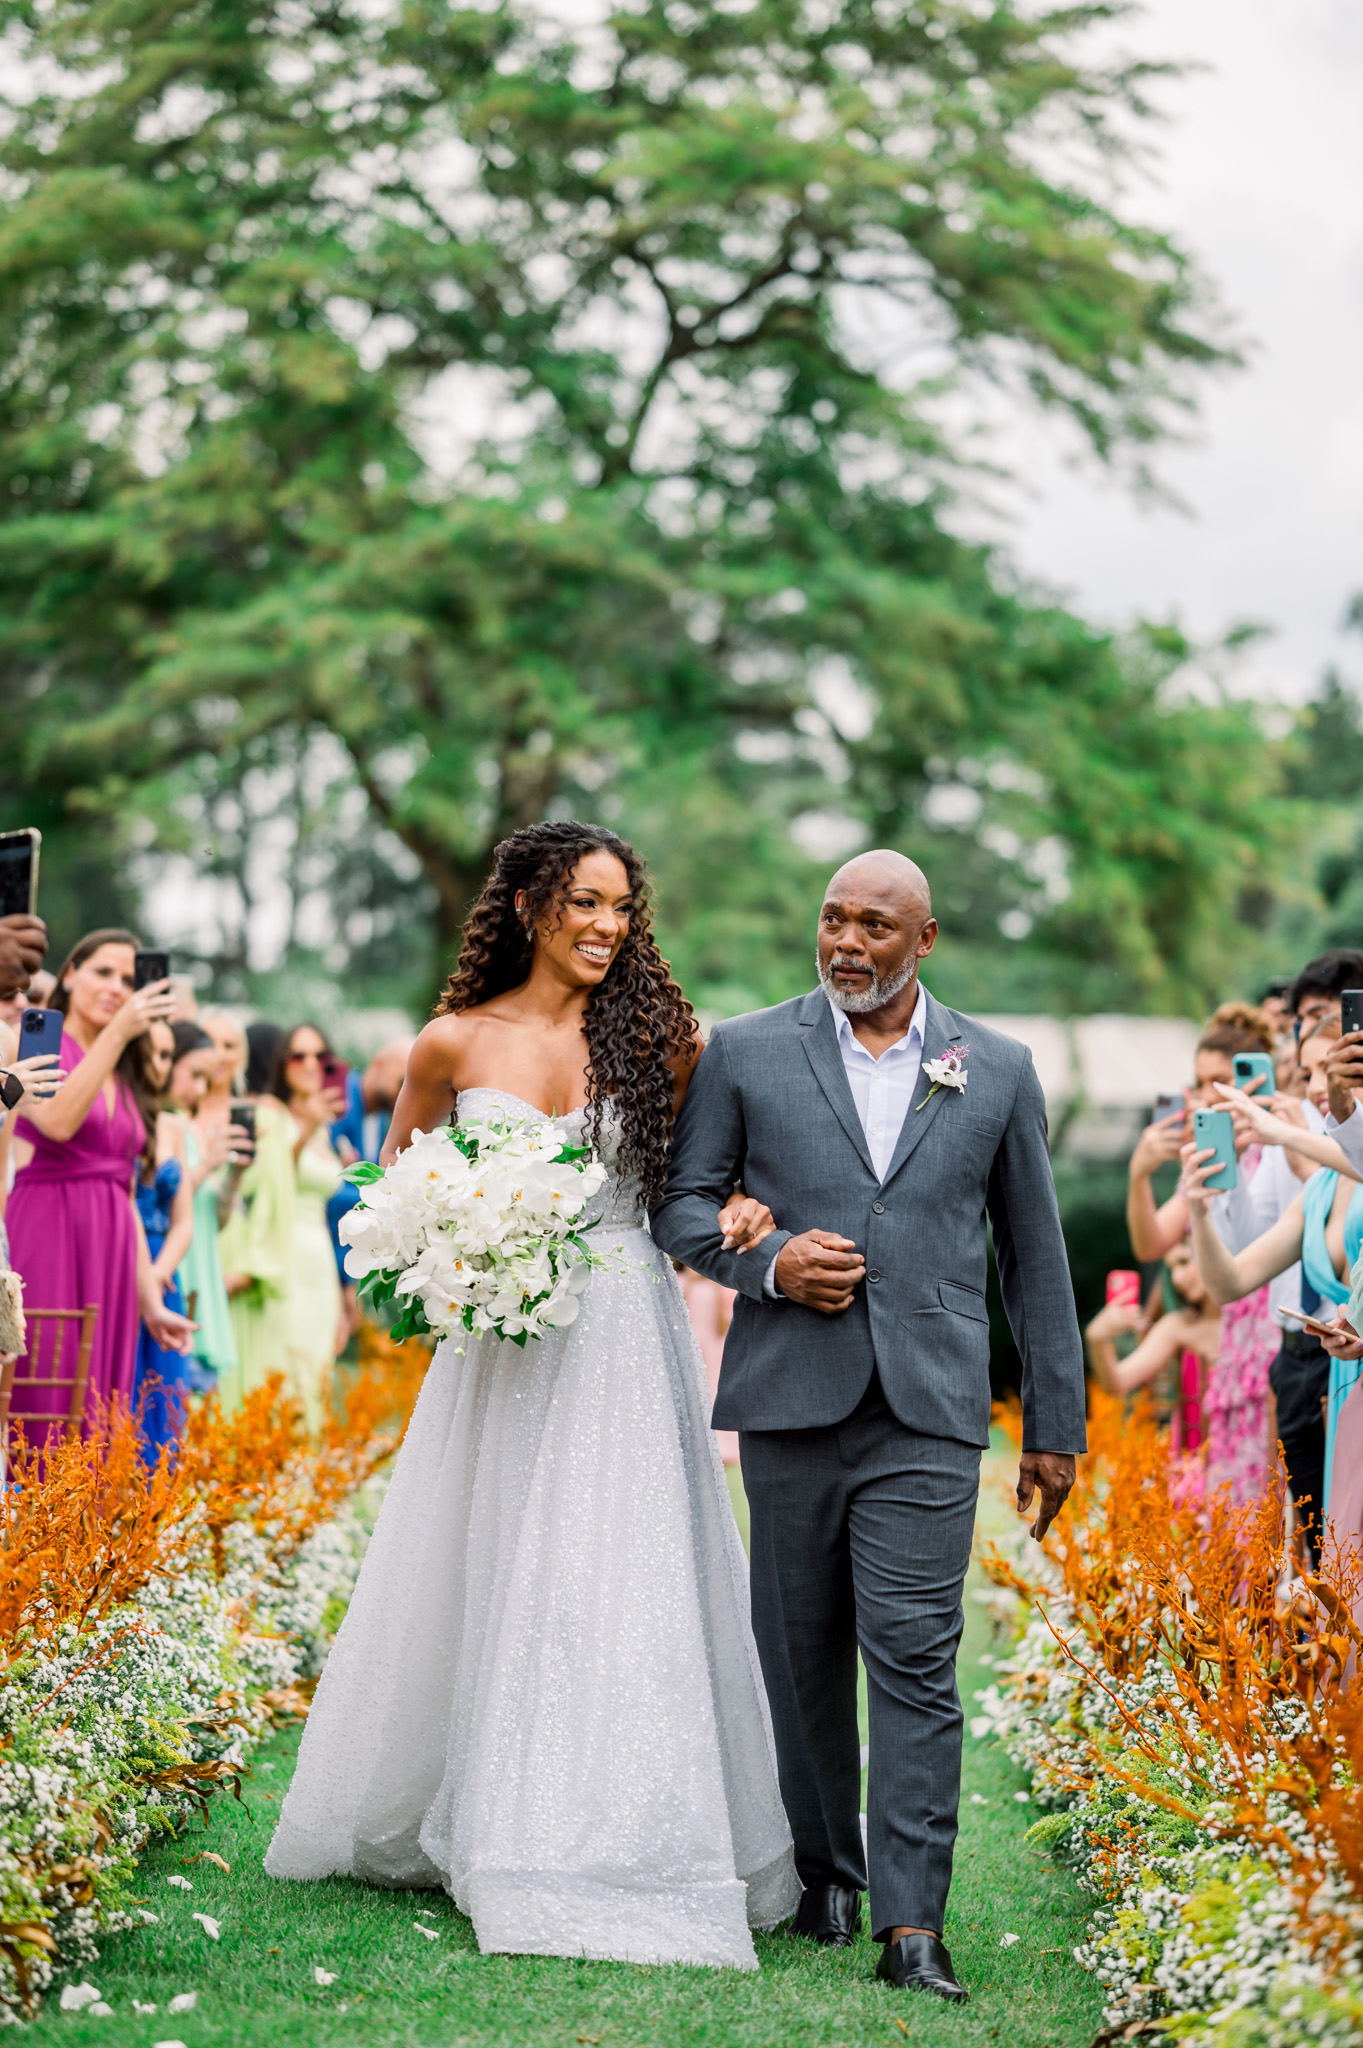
<point>820,1035</point>
<point>938,1035</point>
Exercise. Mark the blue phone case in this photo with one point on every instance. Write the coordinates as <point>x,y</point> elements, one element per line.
<point>1215,1127</point>
<point>40,1031</point>
<point>1259,1064</point>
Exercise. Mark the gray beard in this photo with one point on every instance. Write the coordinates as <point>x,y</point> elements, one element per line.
<point>872,998</point>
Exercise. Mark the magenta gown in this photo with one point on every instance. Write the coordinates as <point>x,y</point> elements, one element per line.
<point>73,1239</point>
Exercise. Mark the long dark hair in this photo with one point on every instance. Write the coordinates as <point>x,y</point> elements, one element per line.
<point>637,1019</point>
<point>132,1061</point>
<point>278,1083</point>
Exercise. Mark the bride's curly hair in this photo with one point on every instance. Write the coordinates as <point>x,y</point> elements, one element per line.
<point>637,1019</point>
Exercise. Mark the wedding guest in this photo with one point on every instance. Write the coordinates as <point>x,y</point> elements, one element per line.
<point>210,1153</point>
<point>317,1327</point>
<point>75,1233</point>
<point>256,1244</point>
<point>1184,1343</point>
<point>165,1202</point>
<point>1322,1227</point>
<point>359,1134</point>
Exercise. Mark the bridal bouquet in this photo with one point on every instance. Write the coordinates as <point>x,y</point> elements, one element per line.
<point>475,1228</point>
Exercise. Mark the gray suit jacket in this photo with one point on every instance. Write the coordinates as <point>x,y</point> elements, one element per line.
<point>769,1106</point>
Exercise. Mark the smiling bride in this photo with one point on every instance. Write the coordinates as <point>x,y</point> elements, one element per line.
<point>545,1697</point>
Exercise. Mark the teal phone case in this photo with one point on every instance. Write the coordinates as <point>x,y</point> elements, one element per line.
<point>1214,1127</point>
<point>1260,1065</point>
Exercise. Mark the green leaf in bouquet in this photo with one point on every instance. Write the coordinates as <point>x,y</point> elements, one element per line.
<point>410,1321</point>
<point>363,1173</point>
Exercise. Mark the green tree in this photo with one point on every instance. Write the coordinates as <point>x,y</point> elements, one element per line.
<point>541,420</point>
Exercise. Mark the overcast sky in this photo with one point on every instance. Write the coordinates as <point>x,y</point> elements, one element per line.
<point>1261,174</point>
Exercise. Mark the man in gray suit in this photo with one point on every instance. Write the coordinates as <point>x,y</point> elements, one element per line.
<point>882,1130</point>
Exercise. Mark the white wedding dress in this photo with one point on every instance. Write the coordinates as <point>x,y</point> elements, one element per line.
<point>545,1696</point>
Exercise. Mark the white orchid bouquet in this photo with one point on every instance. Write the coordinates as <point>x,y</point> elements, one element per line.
<point>476,1227</point>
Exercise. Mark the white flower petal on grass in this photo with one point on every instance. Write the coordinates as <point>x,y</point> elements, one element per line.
<point>149,1919</point>
<point>321,1976</point>
<point>100,2011</point>
<point>429,1932</point>
<point>424,1913</point>
<point>75,1997</point>
<point>210,1926</point>
<point>1023,1798</point>
<point>181,1884</point>
<point>978,1799</point>
<point>979,1728</point>
<point>145,2010</point>
<point>167,2044</point>
<point>1007,1940</point>
<point>183,2001</point>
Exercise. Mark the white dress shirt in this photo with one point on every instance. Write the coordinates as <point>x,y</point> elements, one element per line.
<point>882,1089</point>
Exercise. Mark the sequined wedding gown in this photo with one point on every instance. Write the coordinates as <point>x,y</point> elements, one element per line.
<point>545,1696</point>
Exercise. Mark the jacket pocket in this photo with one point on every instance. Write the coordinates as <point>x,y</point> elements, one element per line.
<point>962,1300</point>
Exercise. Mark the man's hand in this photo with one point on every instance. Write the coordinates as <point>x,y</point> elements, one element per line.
<point>819,1270</point>
<point>1051,1474</point>
<point>23,942</point>
<point>1344,1072</point>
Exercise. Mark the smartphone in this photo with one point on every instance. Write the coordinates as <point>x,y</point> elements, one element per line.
<point>40,1031</point>
<point>1165,1107</point>
<point>1315,1328</point>
<point>335,1074</point>
<point>1215,1127</point>
<point>149,965</point>
<point>1124,1287</point>
<point>1252,1066</point>
<point>1351,1009</point>
<point>19,872</point>
<point>243,1115</point>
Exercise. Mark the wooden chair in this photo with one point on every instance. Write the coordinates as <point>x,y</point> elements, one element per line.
<point>12,1384</point>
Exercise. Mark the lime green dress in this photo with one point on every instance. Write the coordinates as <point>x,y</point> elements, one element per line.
<point>201,1270</point>
<point>314,1288</point>
<point>258,1239</point>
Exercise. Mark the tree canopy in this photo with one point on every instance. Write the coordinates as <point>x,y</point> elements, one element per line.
<point>416,419</point>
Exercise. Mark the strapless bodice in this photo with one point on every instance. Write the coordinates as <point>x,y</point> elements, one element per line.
<point>618,1202</point>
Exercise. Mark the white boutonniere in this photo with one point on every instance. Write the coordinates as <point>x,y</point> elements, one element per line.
<point>947,1072</point>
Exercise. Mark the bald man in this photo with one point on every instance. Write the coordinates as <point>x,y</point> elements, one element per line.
<point>885,1133</point>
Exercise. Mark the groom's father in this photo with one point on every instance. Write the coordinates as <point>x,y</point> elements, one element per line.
<point>884,1132</point>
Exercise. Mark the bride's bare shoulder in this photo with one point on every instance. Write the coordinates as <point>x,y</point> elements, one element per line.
<point>445,1045</point>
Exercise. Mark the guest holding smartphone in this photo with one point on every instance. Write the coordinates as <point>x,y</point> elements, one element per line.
<point>75,1233</point>
<point>165,1202</point>
<point>214,1151</point>
<point>256,1244</point>
<point>1185,1343</point>
<point>1323,1229</point>
<point>308,1082</point>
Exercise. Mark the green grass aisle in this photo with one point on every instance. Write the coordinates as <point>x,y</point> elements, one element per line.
<point>394,1987</point>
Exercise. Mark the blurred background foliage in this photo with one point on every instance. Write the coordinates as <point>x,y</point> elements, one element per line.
<point>415,421</point>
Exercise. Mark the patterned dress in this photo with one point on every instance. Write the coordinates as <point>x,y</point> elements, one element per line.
<point>1236,1399</point>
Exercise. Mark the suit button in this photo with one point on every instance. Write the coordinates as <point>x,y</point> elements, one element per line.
<point>873,1275</point>
<point>877,1208</point>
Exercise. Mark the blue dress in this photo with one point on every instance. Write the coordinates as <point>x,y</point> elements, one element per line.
<point>160,1383</point>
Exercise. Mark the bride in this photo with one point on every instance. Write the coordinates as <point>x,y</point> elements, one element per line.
<point>545,1696</point>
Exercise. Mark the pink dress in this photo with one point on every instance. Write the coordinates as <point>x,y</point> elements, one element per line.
<point>1236,1399</point>
<point>73,1238</point>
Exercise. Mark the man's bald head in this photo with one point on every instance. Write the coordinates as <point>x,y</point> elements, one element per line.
<point>882,872</point>
<point>875,926</point>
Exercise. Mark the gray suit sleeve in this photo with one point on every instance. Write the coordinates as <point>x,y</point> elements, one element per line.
<point>706,1163</point>
<point>1035,1276</point>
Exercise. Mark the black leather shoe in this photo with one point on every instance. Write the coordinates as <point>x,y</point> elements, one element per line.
<point>830,1913</point>
<point>918,1962</point>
